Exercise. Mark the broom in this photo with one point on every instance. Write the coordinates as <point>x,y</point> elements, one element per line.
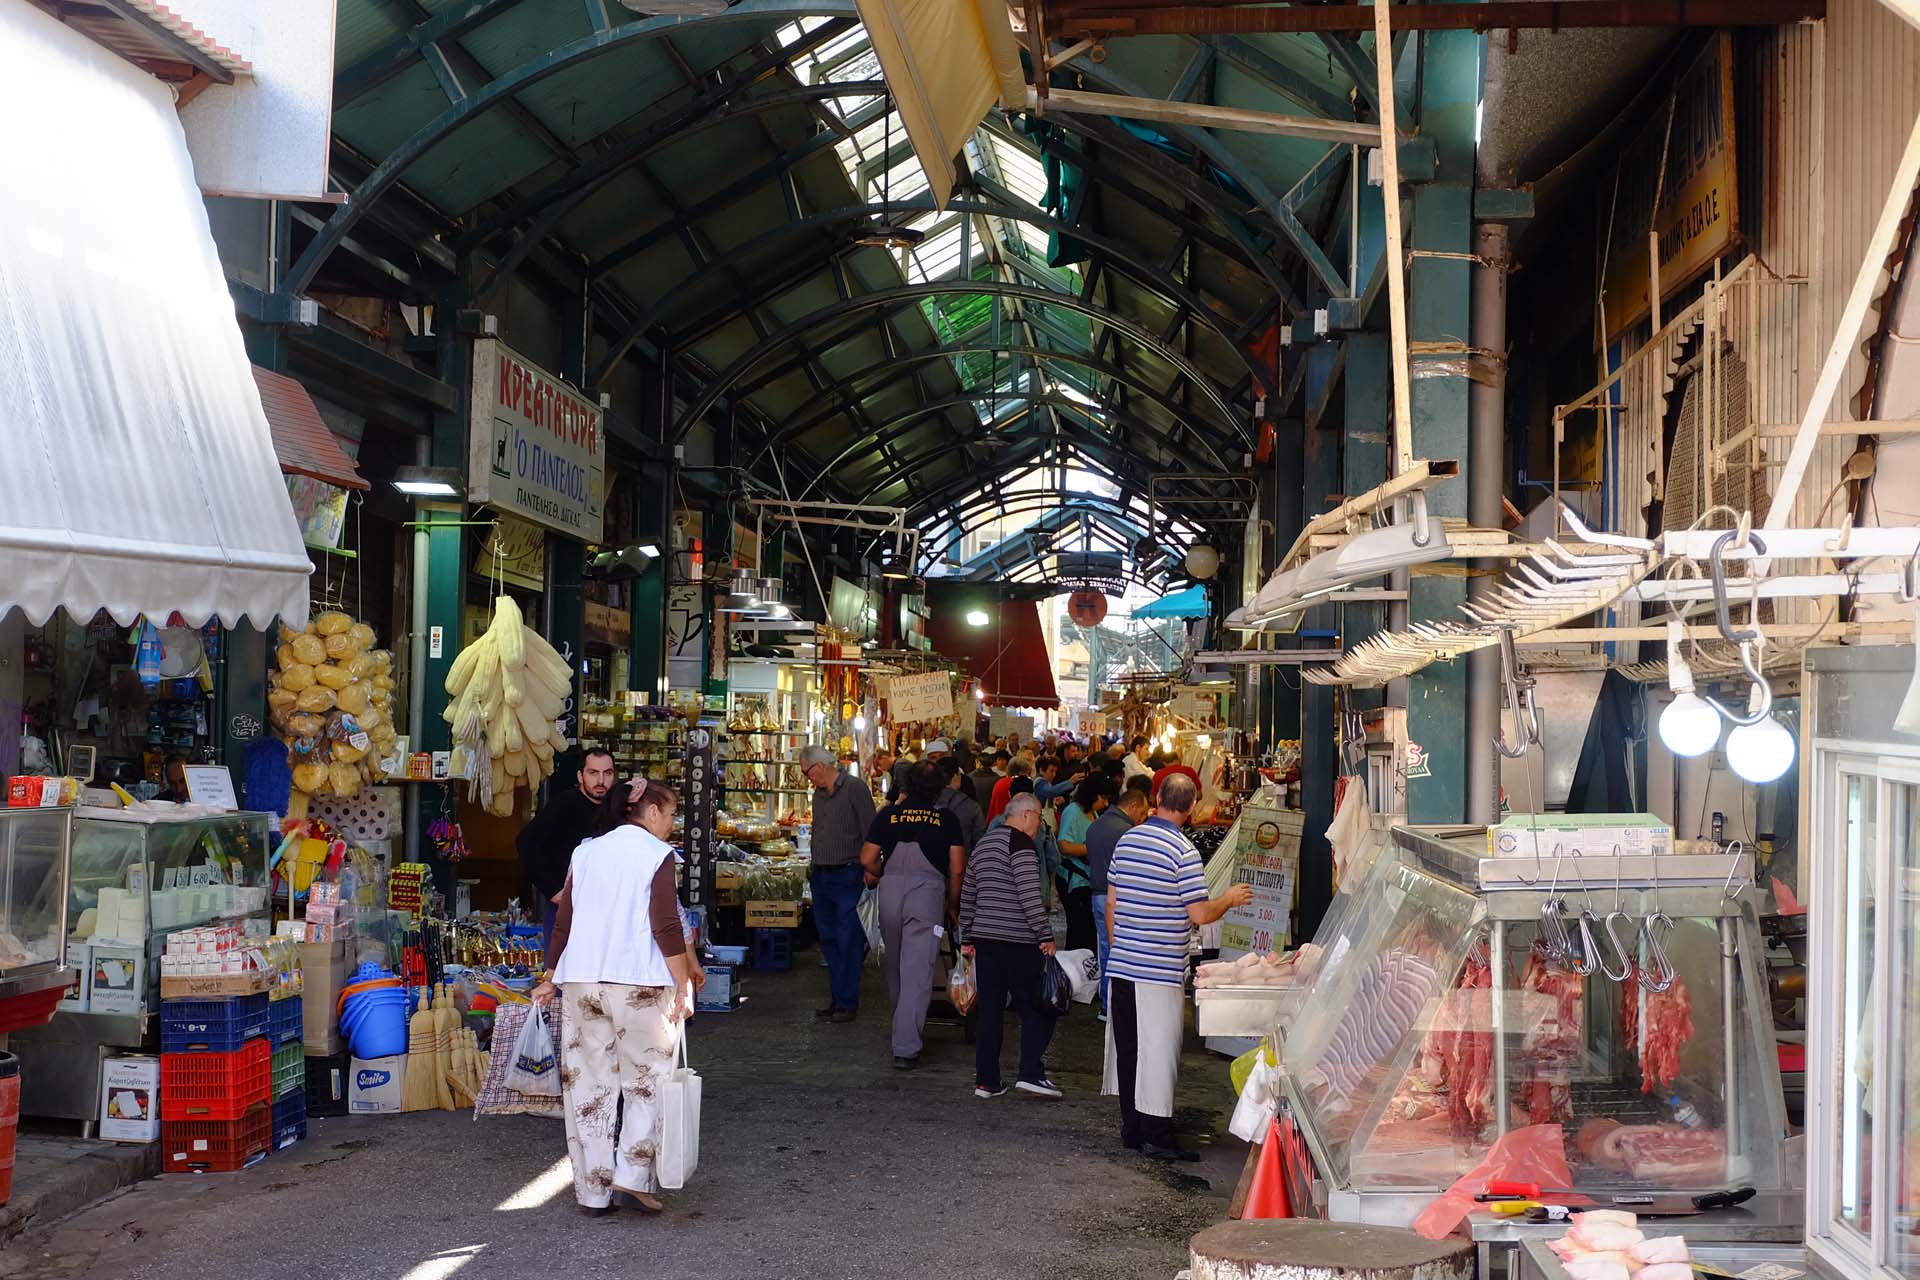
<point>419,1094</point>
<point>444,1020</point>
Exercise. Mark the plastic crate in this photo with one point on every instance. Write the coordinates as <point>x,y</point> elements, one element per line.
<point>289,1068</point>
<point>289,1118</point>
<point>773,950</point>
<point>212,1026</point>
<point>216,1146</point>
<point>215,1086</point>
<point>286,1021</point>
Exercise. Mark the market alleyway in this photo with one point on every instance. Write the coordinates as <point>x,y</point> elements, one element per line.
<point>818,1160</point>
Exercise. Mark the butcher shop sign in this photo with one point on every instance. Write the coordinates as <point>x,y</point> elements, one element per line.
<point>537,448</point>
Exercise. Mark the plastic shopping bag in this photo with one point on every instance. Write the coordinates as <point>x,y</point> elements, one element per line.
<point>1536,1153</point>
<point>1259,1103</point>
<point>869,912</point>
<point>960,989</point>
<point>1056,989</point>
<point>1083,971</point>
<point>679,1123</point>
<point>534,1068</point>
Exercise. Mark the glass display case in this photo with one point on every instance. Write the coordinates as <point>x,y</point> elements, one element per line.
<point>33,900</point>
<point>1461,996</point>
<point>1861,795</point>
<point>131,879</point>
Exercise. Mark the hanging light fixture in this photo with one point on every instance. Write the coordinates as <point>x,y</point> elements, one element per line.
<point>740,597</point>
<point>1689,726</point>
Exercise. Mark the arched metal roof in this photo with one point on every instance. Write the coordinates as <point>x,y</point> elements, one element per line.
<point>707,179</point>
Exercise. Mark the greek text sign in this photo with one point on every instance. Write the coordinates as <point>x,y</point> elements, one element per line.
<point>538,447</point>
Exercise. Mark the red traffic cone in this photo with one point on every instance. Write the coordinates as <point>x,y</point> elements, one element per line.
<point>1267,1197</point>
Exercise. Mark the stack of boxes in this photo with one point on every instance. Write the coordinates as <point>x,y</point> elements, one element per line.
<point>325,967</point>
<point>286,1026</point>
<point>216,1052</point>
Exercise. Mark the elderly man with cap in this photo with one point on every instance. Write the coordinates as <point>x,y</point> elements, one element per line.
<point>842,813</point>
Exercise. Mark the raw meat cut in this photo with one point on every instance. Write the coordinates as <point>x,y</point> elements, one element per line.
<point>1670,1154</point>
<point>1668,1016</point>
<point>1665,1271</point>
<point>1606,1217</point>
<point>1592,1135</point>
<point>1603,1237</point>
<point>1588,1268</point>
<point>1554,1040</point>
<point>1659,1249</point>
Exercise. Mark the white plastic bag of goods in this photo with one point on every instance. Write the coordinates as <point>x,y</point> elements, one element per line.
<point>142,474</point>
<point>534,1069</point>
<point>679,1123</point>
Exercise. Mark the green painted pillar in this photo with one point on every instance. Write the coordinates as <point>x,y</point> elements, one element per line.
<point>1363,465</point>
<point>1319,754</point>
<point>647,648</point>
<point>566,625</point>
<point>1439,309</point>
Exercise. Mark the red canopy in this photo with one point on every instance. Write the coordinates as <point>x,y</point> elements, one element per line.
<point>1008,655</point>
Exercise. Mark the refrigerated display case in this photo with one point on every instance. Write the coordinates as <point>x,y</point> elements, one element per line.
<point>134,877</point>
<point>1861,798</point>
<point>1462,996</point>
<point>33,914</point>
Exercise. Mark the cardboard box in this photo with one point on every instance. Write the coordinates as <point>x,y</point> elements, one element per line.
<point>324,970</point>
<point>773,915</point>
<point>130,1099</point>
<point>209,986</point>
<point>722,992</point>
<point>1586,834</point>
<point>374,1085</point>
<point>116,979</point>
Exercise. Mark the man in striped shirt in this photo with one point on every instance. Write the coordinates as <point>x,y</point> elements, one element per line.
<point>1156,893</point>
<point>1008,938</point>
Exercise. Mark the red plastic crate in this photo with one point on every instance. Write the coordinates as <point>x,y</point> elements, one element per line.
<point>215,1146</point>
<point>215,1086</point>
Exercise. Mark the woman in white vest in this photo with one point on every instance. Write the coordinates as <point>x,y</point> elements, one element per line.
<point>626,979</point>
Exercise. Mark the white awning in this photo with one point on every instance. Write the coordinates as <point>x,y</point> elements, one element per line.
<point>137,474</point>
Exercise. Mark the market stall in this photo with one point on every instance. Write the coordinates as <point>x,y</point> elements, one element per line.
<point>1609,1009</point>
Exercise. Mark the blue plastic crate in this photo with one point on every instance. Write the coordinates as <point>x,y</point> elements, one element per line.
<point>773,950</point>
<point>286,1021</point>
<point>212,1026</point>
<point>289,1118</point>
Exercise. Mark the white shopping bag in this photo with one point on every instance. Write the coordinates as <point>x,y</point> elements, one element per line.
<point>1083,973</point>
<point>1259,1102</point>
<point>679,1123</point>
<point>534,1069</point>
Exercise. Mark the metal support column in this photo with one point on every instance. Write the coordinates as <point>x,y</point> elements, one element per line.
<point>1486,472</point>
<point>1439,292</point>
<point>1319,755</point>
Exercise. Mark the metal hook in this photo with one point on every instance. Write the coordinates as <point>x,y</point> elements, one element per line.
<point>1910,578</point>
<point>1589,958</point>
<point>1734,852</point>
<point>1519,699</point>
<point>1658,974</point>
<point>1722,617</point>
<point>1763,705</point>
<point>1622,950</point>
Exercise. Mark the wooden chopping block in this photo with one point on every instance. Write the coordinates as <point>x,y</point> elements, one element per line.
<point>1310,1249</point>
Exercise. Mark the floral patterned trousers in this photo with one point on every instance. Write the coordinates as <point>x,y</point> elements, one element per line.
<point>619,1050</point>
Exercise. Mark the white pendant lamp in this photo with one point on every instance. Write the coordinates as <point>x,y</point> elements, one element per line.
<point>1689,726</point>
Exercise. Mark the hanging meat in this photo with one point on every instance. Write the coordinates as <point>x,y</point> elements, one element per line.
<point>1465,1050</point>
<point>1553,1043</point>
<point>1668,1018</point>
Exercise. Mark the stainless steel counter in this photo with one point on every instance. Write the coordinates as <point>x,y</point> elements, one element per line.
<point>1769,1219</point>
<point>1537,1262</point>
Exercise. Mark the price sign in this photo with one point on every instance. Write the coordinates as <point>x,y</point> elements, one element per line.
<point>1266,843</point>
<point>698,799</point>
<point>212,786</point>
<point>924,697</point>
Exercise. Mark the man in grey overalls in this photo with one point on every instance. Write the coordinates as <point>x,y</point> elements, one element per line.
<point>915,849</point>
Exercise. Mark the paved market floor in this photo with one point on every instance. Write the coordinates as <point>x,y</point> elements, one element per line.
<point>817,1160</point>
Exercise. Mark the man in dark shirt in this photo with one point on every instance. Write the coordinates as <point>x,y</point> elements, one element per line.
<point>993,767</point>
<point>915,850</point>
<point>842,815</point>
<point>546,844</point>
<point>1114,821</point>
<point>973,823</point>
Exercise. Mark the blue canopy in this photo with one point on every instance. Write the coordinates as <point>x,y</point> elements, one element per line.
<point>1191,603</point>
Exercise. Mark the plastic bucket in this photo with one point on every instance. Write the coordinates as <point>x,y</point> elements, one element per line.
<point>380,1032</point>
<point>9,1120</point>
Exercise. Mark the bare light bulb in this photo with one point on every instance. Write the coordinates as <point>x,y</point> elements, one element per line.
<point>1689,726</point>
<point>1758,752</point>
